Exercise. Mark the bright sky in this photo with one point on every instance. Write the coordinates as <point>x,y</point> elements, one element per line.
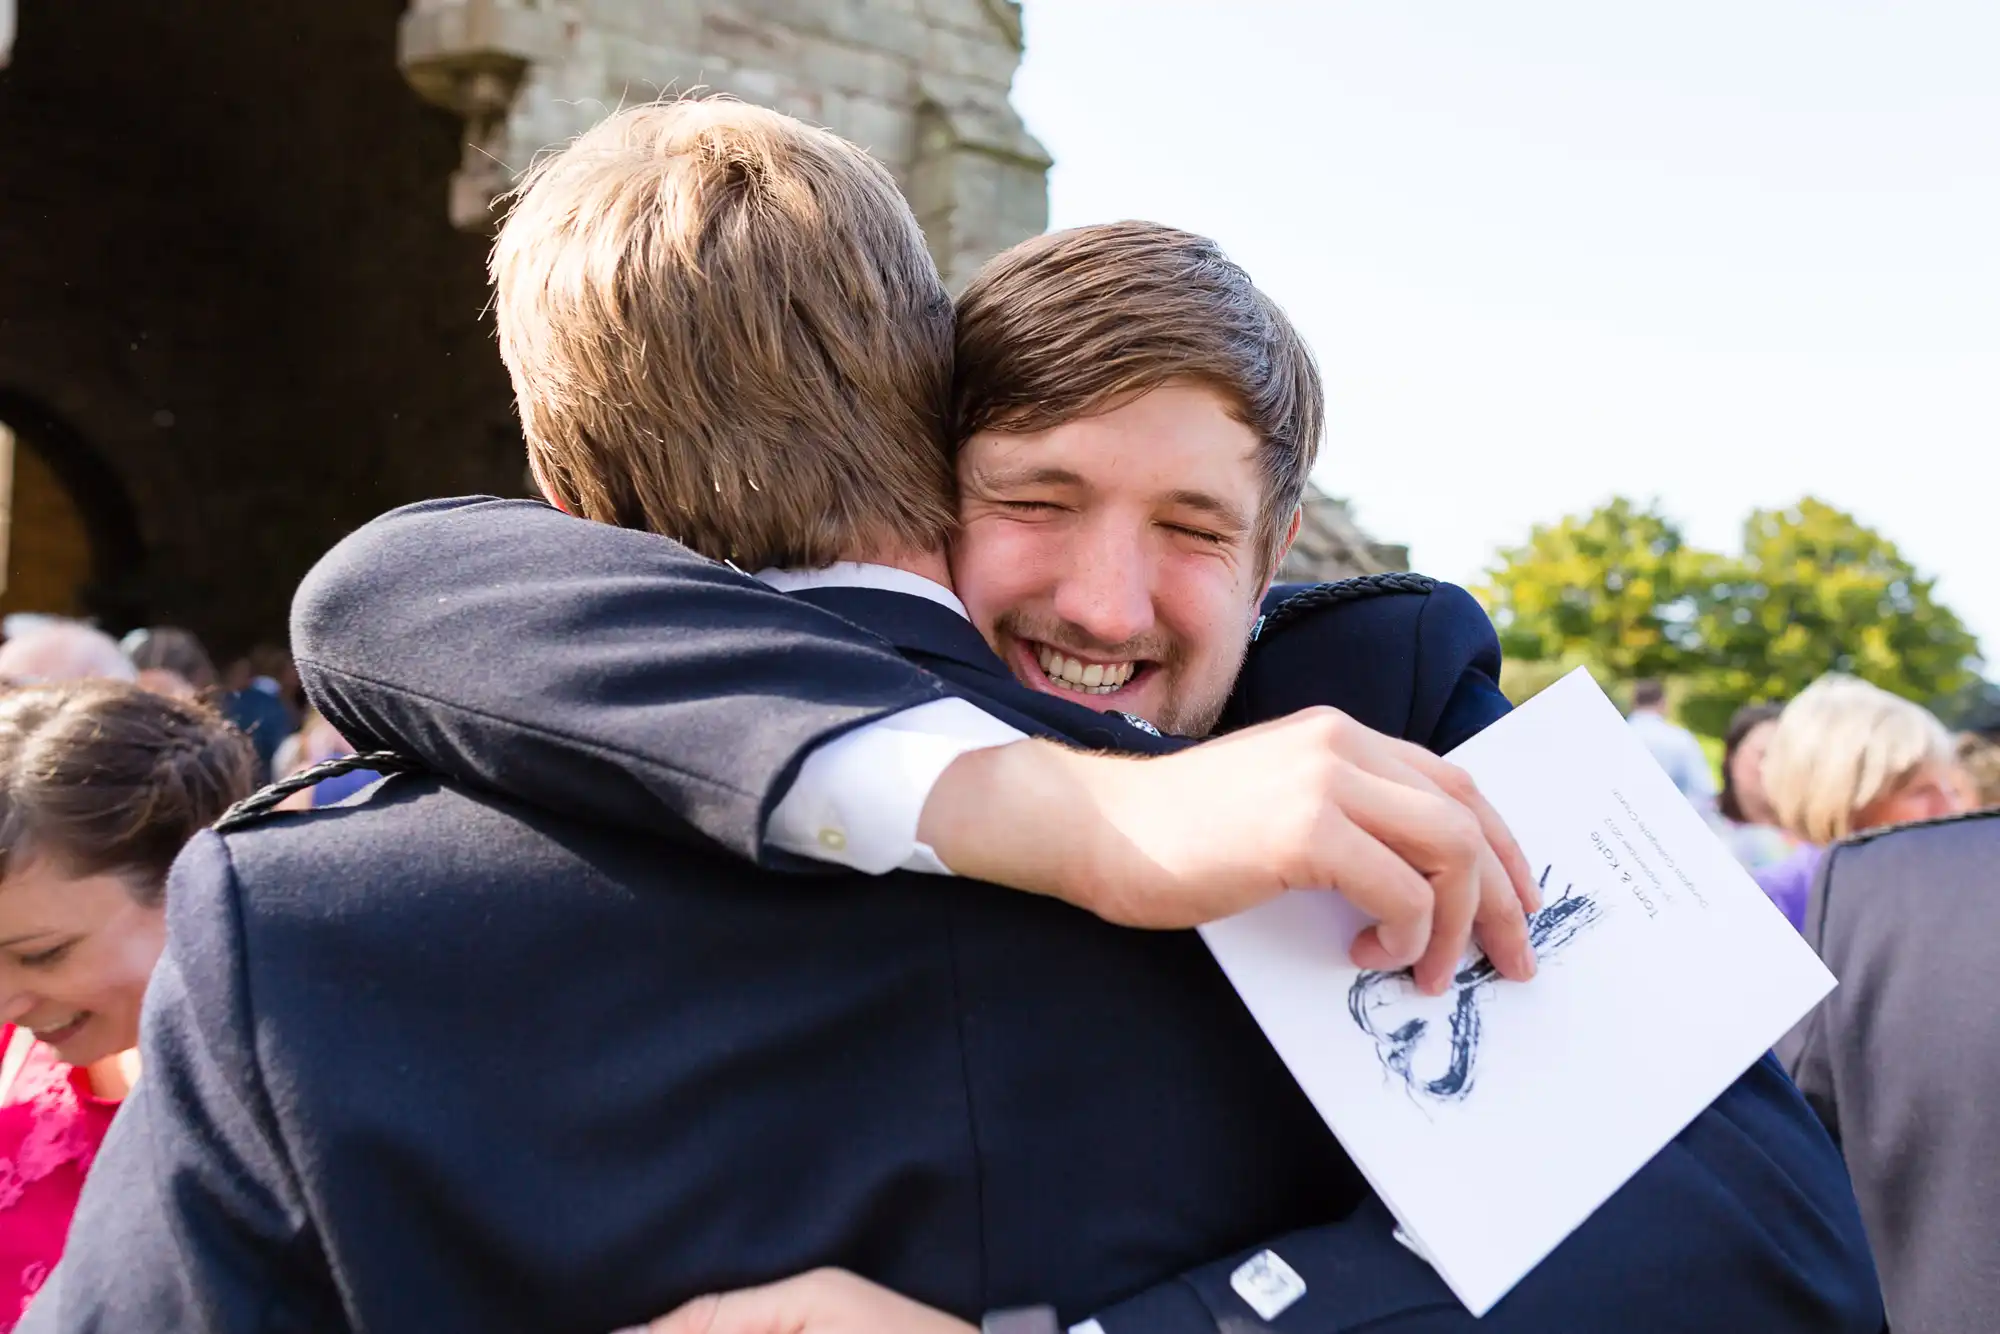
<point>1721,252</point>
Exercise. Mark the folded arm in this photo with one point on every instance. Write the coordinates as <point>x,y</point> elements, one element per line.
<point>595,671</point>
<point>617,677</point>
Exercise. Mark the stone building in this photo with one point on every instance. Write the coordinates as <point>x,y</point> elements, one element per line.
<point>242,248</point>
<point>1330,545</point>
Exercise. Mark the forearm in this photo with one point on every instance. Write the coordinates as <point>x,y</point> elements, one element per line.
<point>1024,815</point>
<point>1109,834</point>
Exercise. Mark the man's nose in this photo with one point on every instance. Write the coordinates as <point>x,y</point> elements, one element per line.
<point>1108,590</point>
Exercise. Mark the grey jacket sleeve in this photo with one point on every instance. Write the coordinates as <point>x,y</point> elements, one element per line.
<point>1804,1050</point>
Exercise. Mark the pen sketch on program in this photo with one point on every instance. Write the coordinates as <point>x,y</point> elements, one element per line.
<point>1430,1044</point>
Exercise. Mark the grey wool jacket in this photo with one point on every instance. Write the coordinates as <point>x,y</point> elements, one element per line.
<point>1902,1061</point>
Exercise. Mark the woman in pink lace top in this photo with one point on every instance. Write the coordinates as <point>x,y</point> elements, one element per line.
<point>100,785</point>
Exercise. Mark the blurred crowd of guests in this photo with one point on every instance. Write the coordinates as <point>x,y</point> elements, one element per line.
<point>259,694</point>
<point>1841,758</point>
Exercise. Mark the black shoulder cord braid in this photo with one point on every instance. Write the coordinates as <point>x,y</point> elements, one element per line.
<point>257,803</point>
<point>1321,596</point>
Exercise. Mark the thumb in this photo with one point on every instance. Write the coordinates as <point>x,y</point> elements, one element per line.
<point>695,1317</point>
<point>766,1310</point>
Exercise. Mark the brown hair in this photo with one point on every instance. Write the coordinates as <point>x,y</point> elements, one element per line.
<point>1745,721</point>
<point>1077,322</point>
<point>169,648</point>
<point>723,326</point>
<point>107,777</point>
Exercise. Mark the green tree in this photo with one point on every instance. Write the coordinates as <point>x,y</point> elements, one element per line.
<point>1620,591</point>
<point>1611,590</point>
<point>1817,591</point>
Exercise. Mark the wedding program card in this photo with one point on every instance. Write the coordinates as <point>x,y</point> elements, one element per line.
<point>1494,1119</point>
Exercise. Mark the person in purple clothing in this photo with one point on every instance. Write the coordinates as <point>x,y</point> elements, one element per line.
<point>315,742</point>
<point>1846,757</point>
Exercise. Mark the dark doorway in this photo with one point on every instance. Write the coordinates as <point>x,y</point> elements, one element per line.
<point>228,268</point>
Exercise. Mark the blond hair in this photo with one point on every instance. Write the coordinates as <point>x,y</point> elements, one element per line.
<point>1076,322</point>
<point>722,325</point>
<point>1841,746</point>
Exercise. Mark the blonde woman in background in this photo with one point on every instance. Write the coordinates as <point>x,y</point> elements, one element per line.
<point>1847,757</point>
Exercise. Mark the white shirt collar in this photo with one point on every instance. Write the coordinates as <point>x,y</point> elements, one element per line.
<point>861,574</point>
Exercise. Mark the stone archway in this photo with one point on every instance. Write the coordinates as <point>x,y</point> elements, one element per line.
<point>68,544</point>
<point>43,533</point>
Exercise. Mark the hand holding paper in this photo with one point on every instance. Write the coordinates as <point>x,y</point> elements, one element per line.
<point>1161,842</point>
<point>1601,1061</point>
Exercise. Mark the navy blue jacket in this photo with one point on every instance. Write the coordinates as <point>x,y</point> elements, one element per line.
<point>440,1060</point>
<point>1403,653</point>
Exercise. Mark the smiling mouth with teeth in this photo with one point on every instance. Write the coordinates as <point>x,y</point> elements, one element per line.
<point>1085,679</point>
<point>55,1033</point>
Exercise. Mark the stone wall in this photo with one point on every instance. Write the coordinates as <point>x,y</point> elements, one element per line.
<point>1330,545</point>
<point>922,84</point>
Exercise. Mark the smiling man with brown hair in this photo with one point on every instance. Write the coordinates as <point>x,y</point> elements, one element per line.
<point>1136,424</point>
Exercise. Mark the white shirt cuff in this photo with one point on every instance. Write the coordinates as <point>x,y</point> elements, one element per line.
<point>857,799</point>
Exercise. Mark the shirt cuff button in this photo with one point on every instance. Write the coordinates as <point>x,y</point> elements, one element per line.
<point>832,839</point>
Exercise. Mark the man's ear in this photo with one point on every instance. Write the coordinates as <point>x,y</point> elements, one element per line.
<point>1284,550</point>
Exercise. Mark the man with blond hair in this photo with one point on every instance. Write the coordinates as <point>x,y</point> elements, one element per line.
<point>579,1073</point>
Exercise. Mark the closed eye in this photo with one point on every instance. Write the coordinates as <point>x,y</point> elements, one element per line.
<point>46,957</point>
<point>1199,534</point>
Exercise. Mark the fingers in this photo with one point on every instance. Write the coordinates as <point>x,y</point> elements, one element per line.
<point>775,1308</point>
<point>1382,884</point>
<point>1502,891</point>
<point>1507,889</point>
<point>1500,926</point>
<point>697,1317</point>
<point>1434,837</point>
<point>1446,841</point>
<point>1458,785</point>
<point>824,1301</point>
<point>1404,835</point>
